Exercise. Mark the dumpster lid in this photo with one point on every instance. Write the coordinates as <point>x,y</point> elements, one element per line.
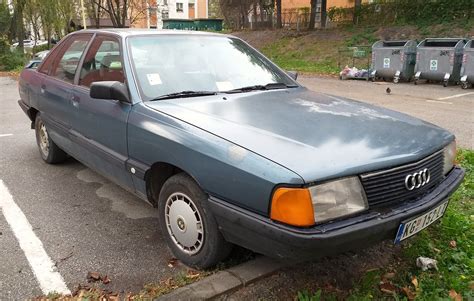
<point>394,43</point>
<point>441,42</point>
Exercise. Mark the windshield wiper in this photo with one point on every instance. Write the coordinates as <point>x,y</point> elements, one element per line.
<point>270,86</point>
<point>184,94</point>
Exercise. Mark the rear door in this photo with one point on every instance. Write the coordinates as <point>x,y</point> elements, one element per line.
<point>99,126</point>
<point>56,89</point>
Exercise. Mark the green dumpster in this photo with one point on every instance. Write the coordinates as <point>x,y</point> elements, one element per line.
<point>184,24</point>
<point>208,24</point>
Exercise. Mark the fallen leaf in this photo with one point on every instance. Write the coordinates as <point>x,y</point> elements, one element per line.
<point>387,287</point>
<point>105,279</point>
<point>410,295</point>
<point>192,274</point>
<point>414,281</point>
<point>389,275</point>
<point>93,276</point>
<point>168,281</point>
<point>453,244</point>
<point>172,262</point>
<point>455,296</point>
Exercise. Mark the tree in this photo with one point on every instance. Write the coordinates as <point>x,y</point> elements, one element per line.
<point>324,12</point>
<point>5,18</point>
<point>357,5</point>
<point>312,14</point>
<point>17,26</point>
<point>94,10</point>
<point>116,9</point>
<point>278,9</point>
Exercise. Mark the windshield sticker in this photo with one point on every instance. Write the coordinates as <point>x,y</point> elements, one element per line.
<point>224,86</point>
<point>154,79</point>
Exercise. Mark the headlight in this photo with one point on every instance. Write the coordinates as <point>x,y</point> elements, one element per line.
<point>449,157</point>
<point>320,203</point>
<point>338,198</point>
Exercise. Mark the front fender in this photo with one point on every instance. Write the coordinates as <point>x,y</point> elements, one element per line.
<point>221,168</point>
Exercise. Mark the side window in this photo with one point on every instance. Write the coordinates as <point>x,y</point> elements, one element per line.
<point>69,58</point>
<point>103,62</point>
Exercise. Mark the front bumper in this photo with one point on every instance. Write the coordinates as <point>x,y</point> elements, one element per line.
<point>273,239</point>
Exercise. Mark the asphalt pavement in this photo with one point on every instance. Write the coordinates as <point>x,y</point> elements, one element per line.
<point>85,223</point>
<point>451,107</point>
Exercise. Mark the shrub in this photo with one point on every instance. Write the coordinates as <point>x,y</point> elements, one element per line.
<point>10,60</point>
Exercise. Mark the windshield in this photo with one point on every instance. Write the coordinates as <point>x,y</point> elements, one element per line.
<point>165,64</point>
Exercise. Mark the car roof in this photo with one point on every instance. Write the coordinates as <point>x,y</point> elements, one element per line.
<point>125,32</point>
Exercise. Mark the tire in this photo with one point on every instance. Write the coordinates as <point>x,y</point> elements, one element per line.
<point>49,151</point>
<point>395,80</point>
<point>181,205</point>
<point>445,84</point>
<point>464,85</point>
<point>415,82</point>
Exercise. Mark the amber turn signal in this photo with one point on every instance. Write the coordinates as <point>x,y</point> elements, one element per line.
<point>292,206</point>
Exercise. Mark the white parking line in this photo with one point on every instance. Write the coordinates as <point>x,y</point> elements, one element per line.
<point>43,267</point>
<point>5,135</point>
<point>456,96</point>
<point>439,101</point>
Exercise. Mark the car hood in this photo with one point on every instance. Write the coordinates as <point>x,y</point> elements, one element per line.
<point>317,136</point>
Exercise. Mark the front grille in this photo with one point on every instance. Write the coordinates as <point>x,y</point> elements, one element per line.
<point>388,186</point>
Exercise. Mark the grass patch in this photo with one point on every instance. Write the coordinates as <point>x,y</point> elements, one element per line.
<point>450,242</point>
<point>294,53</point>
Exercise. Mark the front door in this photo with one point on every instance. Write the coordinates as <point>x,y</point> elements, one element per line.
<point>55,92</point>
<point>99,126</point>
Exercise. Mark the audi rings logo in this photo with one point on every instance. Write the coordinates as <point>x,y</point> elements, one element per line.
<point>417,179</point>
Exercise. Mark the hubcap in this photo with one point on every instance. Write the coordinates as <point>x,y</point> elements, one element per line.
<point>184,223</point>
<point>43,140</point>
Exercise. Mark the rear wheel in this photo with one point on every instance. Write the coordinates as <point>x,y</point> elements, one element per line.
<point>49,151</point>
<point>188,224</point>
<point>464,85</point>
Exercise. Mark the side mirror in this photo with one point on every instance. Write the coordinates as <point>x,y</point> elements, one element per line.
<point>109,90</point>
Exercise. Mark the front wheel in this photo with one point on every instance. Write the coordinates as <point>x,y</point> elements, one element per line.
<point>188,224</point>
<point>49,151</point>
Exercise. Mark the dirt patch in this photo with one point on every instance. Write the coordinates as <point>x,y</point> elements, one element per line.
<point>13,74</point>
<point>336,275</point>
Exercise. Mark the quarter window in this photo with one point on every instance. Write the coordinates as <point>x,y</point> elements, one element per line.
<point>70,56</point>
<point>103,62</point>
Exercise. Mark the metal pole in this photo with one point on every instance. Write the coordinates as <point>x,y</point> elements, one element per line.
<point>83,15</point>
<point>147,15</point>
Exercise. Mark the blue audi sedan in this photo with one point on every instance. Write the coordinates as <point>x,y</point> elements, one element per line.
<point>231,149</point>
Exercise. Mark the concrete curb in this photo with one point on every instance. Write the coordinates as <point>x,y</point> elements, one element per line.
<point>226,281</point>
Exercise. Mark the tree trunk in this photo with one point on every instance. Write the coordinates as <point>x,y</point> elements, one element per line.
<point>312,14</point>
<point>324,13</point>
<point>278,8</point>
<point>357,5</point>
<point>17,28</point>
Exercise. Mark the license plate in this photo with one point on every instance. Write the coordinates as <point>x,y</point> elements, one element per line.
<point>411,227</point>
